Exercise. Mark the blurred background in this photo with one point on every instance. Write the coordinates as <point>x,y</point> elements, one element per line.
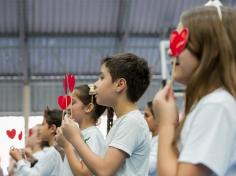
<point>41,40</point>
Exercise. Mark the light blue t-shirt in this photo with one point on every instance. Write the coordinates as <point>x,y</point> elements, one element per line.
<point>50,163</point>
<point>208,136</point>
<point>153,157</point>
<point>130,133</point>
<point>94,139</point>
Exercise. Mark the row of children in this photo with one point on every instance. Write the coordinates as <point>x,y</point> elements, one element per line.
<point>203,143</point>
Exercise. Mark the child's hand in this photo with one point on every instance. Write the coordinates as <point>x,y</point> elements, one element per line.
<point>164,106</point>
<point>60,139</point>
<point>15,154</point>
<point>69,129</point>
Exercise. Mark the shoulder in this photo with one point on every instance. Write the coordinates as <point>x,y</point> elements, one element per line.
<point>52,153</point>
<point>92,132</point>
<point>135,117</point>
<point>219,96</point>
<point>216,101</point>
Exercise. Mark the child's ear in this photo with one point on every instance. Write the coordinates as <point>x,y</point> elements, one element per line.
<point>89,108</point>
<point>121,84</point>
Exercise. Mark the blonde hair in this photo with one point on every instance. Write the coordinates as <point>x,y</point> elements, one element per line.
<point>210,43</point>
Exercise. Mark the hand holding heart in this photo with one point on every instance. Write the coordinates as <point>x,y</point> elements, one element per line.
<point>70,129</point>
<point>16,154</point>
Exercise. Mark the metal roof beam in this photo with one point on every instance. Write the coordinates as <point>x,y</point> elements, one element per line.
<point>123,25</point>
<point>23,45</point>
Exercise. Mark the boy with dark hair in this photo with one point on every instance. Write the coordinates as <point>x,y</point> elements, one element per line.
<point>123,80</point>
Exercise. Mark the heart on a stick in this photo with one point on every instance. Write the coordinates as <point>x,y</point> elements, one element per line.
<point>69,81</point>
<point>63,101</point>
<point>178,41</point>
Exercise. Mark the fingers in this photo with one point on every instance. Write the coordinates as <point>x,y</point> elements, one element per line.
<point>12,147</point>
<point>59,131</point>
<point>168,90</point>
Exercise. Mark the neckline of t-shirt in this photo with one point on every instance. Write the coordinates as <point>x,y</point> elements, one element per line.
<point>88,129</point>
<point>220,89</point>
<point>128,113</point>
<point>118,120</point>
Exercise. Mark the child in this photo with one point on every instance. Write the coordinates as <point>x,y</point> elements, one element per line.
<point>85,111</point>
<point>204,141</point>
<point>51,162</point>
<point>153,127</point>
<point>35,145</point>
<point>123,80</point>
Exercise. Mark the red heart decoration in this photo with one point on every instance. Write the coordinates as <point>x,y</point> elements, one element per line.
<point>20,136</point>
<point>69,80</point>
<point>178,41</point>
<point>63,101</point>
<point>11,133</point>
<point>30,131</point>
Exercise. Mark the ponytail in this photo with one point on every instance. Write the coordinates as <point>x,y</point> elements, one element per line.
<point>110,114</point>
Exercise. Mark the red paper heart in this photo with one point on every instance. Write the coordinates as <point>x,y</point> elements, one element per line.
<point>20,136</point>
<point>63,101</point>
<point>30,131</point>
<point>11,133</point>
<point>69,80</point>
<point>178,41</point>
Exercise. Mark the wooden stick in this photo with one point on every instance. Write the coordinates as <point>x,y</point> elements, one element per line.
<point>71,104</point>
<point>66,92</point>
<point>173,69</point>
<point>63,114</point>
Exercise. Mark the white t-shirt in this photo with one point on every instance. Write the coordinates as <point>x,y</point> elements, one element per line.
<point>94,138</point>
<point>209,134</point>
<point>153,157</point>
<point>50,164</point>
<point>130,133</point>
<point>39,154</point>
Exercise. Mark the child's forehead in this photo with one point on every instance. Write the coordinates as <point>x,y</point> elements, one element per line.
<point>104,69</point>
<point>75,94</point>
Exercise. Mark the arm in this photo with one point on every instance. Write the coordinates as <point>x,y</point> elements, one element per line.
<point>45,165</point>
<point>186,169</point>
<point>167,157</point>
<point>164,103</point>
<point>77,166</point>
<point>22,167</point>
<point>95,163</point>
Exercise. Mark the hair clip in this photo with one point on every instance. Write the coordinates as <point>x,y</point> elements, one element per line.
<point>217,4</point>
<point>92,91</point>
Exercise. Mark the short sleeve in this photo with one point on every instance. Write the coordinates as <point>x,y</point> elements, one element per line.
<point>210,138</point>
<point>127,135</point>
<point>95,144</point>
